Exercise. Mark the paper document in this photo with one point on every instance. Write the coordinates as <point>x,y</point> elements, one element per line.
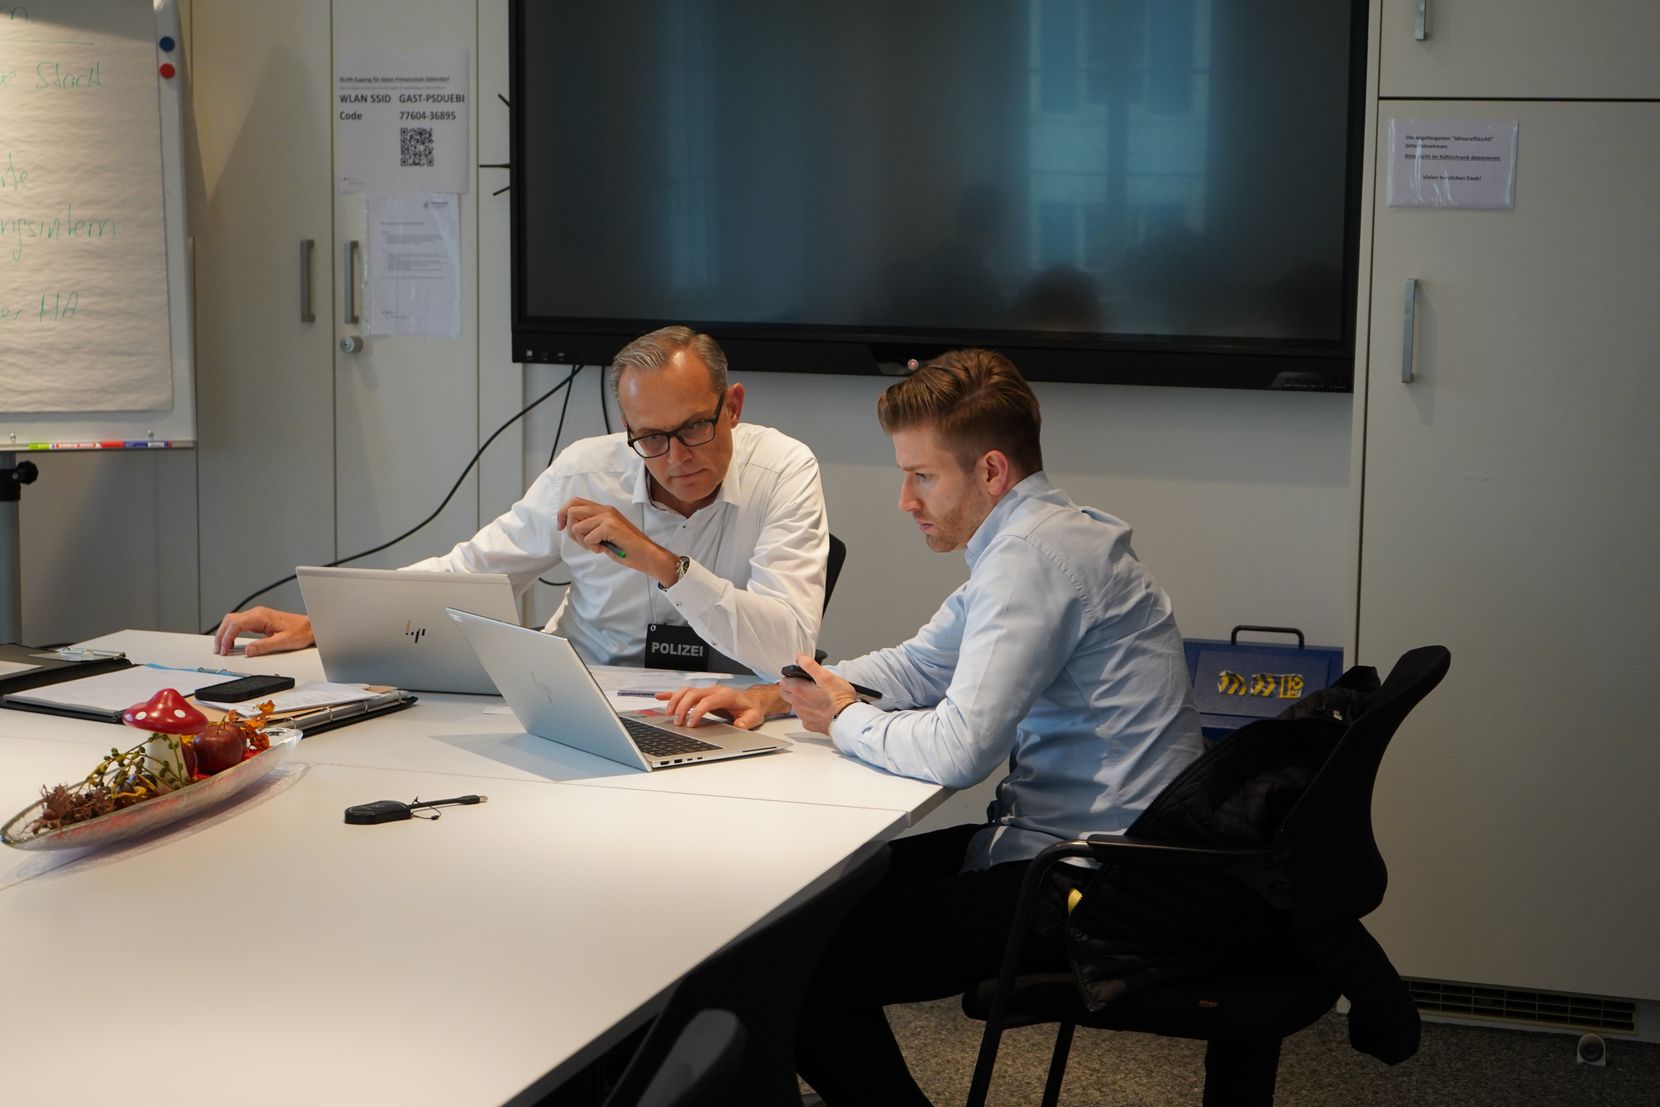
<point>414,269</point>
<point>118,690</point>
<point>616,681</point>
<point>628,688</point>
<point>7,668</point>
<point>317,693</point>
<point>401,121</point>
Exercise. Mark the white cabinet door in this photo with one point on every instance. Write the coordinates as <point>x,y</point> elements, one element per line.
<point>262,102</point>
<point>1591,49</point>
<point>1510,512</point>
<point>407,407</point>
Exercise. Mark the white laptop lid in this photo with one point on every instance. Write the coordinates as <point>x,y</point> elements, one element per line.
<point>388,626</point>
<point>554,696</point>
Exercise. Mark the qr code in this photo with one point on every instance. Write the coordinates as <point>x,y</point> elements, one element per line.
<point>415,146</point>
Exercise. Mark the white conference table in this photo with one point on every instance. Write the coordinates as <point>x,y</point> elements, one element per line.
<point>267,953</point>
<point>453,735</point>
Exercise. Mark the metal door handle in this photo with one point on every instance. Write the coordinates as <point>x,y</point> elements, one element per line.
<point>1408,329</point>
<point>351,284</point>
<point>307,247</point>
<point>1420,21</point>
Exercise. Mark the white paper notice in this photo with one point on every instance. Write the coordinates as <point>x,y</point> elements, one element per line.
<point>1451,163</point>
<point>414,268</point>
<point>400,122</point>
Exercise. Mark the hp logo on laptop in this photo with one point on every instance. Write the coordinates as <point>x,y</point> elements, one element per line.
<point>410,630</point>
<point>542,686</point>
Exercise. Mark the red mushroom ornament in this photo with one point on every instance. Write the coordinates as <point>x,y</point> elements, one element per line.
<point>166,712</point>
<point>170,719</point>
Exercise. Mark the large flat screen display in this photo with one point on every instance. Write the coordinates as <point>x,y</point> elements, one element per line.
<point>1142,191</point>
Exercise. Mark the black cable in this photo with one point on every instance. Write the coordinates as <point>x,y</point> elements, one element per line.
<point>526,410</point>
<point>558,433</point>
<point>604,412</point>
<point>565,406</point>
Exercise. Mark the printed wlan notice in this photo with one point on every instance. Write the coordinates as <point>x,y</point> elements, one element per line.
<point>401,121</point>
<point>1451,163</point>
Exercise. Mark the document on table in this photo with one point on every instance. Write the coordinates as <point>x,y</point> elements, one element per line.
<point>118,690</point>
<point>295,701</point>
<point>630,688</point>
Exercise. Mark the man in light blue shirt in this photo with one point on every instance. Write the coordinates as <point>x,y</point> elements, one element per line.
<point>1060,655</point>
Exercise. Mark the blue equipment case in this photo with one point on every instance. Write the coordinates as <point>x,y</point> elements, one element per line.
<point>1235,682</point>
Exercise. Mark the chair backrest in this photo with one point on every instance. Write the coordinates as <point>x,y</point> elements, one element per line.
<point>698,1068</point>
<point>761,979</point>
<point>1335,865</point>
<point>833,567</point>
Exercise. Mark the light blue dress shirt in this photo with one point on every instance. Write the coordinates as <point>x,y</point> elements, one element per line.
<point>1060,650</point>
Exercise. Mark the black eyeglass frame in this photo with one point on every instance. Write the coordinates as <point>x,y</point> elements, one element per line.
<point>680,433</point>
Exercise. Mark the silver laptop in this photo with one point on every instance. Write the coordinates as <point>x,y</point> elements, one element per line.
<point>388,626</point>
<point>555,697</point>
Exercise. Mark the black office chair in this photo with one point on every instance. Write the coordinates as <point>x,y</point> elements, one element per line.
<point>726,1037</point>
<point>833,567</point>
<point>1184,932</point>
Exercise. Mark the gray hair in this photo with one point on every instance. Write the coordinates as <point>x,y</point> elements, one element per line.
<point>653,351</point>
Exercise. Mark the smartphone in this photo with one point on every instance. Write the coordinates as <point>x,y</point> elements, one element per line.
<point>244,688</point>
<point>869,695</point>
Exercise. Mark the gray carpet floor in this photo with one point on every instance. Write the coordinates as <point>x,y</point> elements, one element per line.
<point>1456,1066</point>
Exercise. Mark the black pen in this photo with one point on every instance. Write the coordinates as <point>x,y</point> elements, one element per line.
<point>614,548</point>
<point>451,802</point>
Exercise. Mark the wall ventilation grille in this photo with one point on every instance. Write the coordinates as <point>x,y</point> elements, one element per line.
<point>1565,1009</point>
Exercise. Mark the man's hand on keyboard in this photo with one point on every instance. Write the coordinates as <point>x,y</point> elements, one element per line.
<point>746,707</point>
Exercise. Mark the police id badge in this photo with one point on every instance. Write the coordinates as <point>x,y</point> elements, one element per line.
<point>675,647</point>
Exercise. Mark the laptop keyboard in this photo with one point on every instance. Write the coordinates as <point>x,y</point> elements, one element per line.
<point>662,743</point>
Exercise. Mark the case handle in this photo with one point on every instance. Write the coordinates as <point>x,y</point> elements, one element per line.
<point>1233,639</point>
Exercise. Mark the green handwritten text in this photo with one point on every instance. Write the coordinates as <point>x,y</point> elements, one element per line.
<point>11,176</point>
<point>22,229</point>
<point>55,307</point>
<point>53,75</point>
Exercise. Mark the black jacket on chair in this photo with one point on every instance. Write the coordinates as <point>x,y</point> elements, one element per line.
<point>1136,927</point>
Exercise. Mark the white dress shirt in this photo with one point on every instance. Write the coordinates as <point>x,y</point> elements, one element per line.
<point>1060,655</point>
<point>755,588</point>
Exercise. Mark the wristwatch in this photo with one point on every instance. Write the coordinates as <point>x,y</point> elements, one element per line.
<point>681,564</point>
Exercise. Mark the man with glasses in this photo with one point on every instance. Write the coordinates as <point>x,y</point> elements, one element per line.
<point>692,540</point>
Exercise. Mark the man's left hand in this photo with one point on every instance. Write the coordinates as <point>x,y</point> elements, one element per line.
<point>599,527</point>
<point>817,701</point>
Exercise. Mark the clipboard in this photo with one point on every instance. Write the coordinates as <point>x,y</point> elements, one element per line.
<point>332,718</point>
<point>103,696</point>
<point>25,667</point>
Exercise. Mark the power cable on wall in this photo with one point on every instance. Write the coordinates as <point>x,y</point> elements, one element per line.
<point>526,410</point>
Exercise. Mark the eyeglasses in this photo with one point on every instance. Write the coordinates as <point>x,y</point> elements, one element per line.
<point>698,432</point>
